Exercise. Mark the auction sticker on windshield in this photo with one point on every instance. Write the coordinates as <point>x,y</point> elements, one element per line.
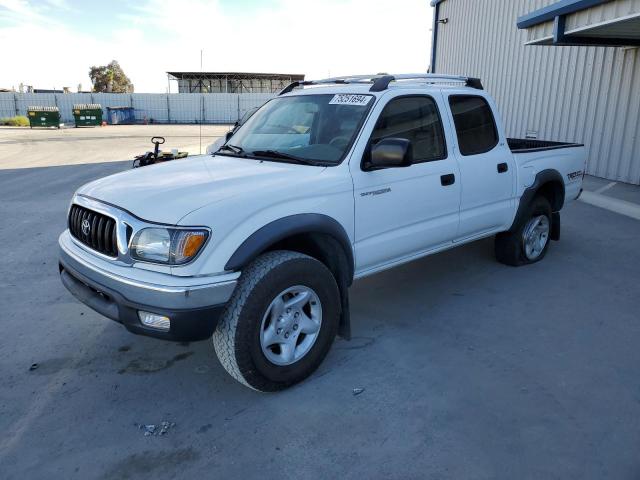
<point>349,99</point>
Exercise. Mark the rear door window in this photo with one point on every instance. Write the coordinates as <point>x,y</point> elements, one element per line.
<point>475,125</point>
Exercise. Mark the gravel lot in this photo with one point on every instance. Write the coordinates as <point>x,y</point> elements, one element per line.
<point>470,369</point>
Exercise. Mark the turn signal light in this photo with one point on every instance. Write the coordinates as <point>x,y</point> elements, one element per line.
<point>192,243</point>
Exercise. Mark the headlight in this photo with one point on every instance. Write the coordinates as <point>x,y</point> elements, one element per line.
<point>167,245</point>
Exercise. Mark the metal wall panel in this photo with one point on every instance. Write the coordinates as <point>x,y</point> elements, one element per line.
<point>7,105</point>
<point>186,108</point>
<point>65,103</point>
<point>542,31</point>
<point>221,107</point>
<point>149,107</point>
<point>589,95</point>
<point>602,13</point>
<point>111,100</point>
<point>589,17</point>
<point>27,100</point>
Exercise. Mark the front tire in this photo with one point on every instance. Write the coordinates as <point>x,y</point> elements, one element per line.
<point>530,241</point>
<point>280,321</point>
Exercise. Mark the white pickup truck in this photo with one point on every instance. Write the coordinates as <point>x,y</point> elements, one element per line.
<point>257,244</point>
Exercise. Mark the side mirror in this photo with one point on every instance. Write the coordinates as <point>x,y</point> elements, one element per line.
<point>228,135</point>
<point>390,153</point>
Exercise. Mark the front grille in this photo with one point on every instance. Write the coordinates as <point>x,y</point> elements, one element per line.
<point>100,234</point>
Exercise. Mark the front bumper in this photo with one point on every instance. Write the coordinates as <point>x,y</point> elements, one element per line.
<point>192,304</point>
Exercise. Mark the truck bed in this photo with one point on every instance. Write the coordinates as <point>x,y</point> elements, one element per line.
<point>533,156</point>
<point>522,145</point>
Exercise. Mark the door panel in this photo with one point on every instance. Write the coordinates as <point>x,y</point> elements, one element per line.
<point>486,167</point>
<point>401,212</point>
<point>487,202</point>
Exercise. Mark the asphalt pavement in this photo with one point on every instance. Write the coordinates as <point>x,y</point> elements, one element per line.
<point>464,368</point>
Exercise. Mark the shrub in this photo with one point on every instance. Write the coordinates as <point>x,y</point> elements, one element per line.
<point>17,121</point>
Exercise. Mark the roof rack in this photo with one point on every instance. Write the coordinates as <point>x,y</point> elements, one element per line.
<point>381,81</point>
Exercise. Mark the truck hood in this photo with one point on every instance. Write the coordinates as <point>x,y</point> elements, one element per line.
<point>168,191</point>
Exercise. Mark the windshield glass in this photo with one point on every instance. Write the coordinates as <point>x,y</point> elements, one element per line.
<point>308,127</point>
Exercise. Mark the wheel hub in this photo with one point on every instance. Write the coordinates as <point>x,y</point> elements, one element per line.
<point>535,236</point>
<point>290,325</point>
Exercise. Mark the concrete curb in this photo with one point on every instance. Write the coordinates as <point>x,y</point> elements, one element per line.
<point>612,204</point>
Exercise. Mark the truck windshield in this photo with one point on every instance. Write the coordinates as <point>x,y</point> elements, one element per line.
<point>317,128</point>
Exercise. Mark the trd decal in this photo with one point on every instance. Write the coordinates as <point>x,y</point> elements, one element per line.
<point>574,175</point>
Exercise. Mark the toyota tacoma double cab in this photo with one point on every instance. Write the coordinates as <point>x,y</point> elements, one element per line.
<point>256,245</point>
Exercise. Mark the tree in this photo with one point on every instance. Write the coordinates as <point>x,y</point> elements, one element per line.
<point>110,78</point>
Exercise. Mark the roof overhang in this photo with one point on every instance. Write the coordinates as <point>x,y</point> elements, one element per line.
<point>583,22</point>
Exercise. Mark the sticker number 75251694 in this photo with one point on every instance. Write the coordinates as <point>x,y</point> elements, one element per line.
<point>349,99</point>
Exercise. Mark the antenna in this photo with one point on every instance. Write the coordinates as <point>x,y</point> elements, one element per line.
<point>202,105</point>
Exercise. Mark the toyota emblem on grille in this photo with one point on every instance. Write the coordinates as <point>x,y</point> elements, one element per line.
<point>86,227</point>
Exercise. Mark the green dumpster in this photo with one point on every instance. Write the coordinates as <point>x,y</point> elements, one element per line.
<point>87,114</point>
<point>43,117</point>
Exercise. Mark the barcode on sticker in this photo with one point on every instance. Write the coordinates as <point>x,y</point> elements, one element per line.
<point>349,99</point>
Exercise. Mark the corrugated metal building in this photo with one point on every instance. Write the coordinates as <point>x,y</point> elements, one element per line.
<point>559,70</point>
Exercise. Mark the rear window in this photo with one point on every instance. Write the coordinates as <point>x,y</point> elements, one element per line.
<point>475,125</point>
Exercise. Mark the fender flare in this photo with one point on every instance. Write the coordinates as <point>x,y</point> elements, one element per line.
<point>542,177</point>
<point>288,226</point>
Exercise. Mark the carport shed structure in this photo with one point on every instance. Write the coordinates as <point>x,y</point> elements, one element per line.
<point>559,70</point>
<point>231,82</point>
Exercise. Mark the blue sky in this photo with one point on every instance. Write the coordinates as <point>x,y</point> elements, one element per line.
<point>52,43</point>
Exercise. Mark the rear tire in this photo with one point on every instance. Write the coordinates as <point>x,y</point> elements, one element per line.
<point>529,242</point>
<point>281,293</point>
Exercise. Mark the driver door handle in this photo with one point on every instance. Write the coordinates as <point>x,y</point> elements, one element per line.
<point>503,167</point>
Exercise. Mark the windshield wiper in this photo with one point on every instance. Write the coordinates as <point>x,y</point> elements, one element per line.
<point>284,156</point>
<point>232,148</point>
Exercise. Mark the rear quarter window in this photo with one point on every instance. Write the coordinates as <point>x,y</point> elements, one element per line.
<point>475,126</point>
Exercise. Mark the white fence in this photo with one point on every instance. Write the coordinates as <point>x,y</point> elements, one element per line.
<point>149,107</point>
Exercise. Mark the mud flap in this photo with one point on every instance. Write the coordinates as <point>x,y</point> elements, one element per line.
<point>344,328</point>
<point>555,226</point>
